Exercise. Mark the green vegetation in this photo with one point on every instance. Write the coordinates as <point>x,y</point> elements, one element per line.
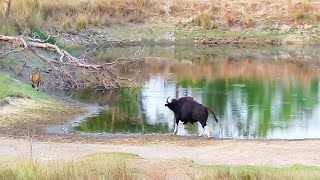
<point>40,35</point>
<point>10,86</point>
<point>114,166</point>
<point>260,98</point>
<point>254,172</point>
<point>27,106</point>
<point>124,116</point>
<point>96,166</point>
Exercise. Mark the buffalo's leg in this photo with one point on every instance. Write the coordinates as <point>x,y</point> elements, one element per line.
<point>176,125</point>
<point>175,128</point>
<point>204,128</point>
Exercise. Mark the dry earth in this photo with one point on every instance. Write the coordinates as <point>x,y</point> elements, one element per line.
<point>227,152</point>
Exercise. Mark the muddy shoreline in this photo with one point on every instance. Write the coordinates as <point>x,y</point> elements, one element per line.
<point>17,140</point>
<point>56,129</point>
<point>57,132</point>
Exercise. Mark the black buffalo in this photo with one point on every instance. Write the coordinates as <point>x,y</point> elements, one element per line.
<point>186,109</point>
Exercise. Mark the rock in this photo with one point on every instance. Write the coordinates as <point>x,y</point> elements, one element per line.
<point>169,36</point>
<point>19,95</point>
<point>216,41</point>
<point>275,42</point>
<point>308,26</point>
<point>4,102</point>
<point>285,28</point>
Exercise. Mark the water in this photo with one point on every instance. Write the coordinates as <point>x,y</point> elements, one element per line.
<point>264,92</point>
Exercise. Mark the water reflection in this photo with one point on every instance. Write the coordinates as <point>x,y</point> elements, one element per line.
<point>245,108</point>
<point>251,98</point>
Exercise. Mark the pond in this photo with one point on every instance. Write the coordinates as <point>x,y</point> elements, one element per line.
<point>255,92</point>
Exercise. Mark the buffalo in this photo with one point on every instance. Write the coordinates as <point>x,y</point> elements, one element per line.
<point>186,109</point>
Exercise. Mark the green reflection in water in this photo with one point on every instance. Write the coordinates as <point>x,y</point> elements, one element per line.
<point>275,104</point>
<point>245,107</point>
<point>124,116</point>
<point>249,107</point>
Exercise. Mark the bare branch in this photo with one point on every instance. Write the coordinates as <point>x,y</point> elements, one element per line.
<point>36,43</point>
<point>77,72</point>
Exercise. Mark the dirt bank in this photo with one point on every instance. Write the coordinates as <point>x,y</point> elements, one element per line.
<point>227,152</point>
<point>20,116</point>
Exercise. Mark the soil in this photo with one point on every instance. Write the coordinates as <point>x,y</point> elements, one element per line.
<point>201,150</point>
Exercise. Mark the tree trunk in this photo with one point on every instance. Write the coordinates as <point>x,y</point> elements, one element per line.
<point>8,9</point>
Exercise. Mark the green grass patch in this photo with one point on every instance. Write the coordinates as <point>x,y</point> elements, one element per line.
<point>39,34</point>
<point>156,34</point>
<point>259,172</point>
<point>106,156</point>
<point>10,86</point>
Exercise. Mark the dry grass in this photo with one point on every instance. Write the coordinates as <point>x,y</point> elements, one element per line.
<point>78,15</point>
<point>113,166</point>
<point>249,14</point>
<point>73,13</point>
<point>204,20</point>
<point>82,22</point>
<point>102,166</point>
<point>249,22</point>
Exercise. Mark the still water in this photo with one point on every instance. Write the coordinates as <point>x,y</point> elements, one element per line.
<point>261,92</point>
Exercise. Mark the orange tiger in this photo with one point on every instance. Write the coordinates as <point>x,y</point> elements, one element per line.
<point>36,79</point>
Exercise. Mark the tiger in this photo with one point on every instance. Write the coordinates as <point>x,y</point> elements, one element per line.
<point>36,79</point>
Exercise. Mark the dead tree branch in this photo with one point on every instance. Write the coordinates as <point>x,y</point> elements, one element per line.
<point>77,72</point>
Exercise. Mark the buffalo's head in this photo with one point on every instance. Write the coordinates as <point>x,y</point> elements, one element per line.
<point>171,104</point>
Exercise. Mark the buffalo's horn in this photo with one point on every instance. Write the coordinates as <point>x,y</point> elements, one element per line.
<point>167,100</point>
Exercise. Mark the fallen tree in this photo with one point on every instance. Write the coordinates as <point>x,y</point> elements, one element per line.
<point>73,72</point>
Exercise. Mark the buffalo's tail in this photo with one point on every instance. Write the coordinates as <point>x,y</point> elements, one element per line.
<point>212,114</point>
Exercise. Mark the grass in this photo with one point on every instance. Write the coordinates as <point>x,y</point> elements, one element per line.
<point>255,172</point>
<point>96,166</point>
<point>28,106</point>
<point>142,21</point>
<point>74,15</point>
<point>10,86</point>
<point>154,34</point>
<point>115,166</point>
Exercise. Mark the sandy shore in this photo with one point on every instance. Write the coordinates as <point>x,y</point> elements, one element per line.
<point>227,152</point>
